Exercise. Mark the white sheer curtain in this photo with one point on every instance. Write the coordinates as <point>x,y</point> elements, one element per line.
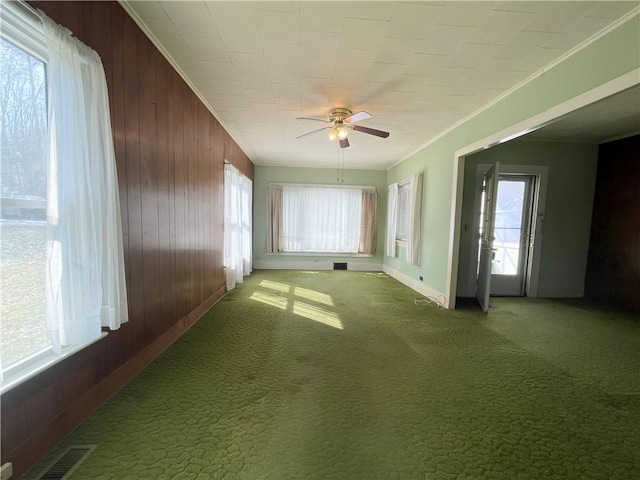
<point>85,277</point>
<point>392,220</point>
<point>321,219</point>
<point>414,214</point>
<point>237,225</point>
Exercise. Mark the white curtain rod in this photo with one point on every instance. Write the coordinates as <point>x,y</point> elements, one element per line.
<point>324,185</point>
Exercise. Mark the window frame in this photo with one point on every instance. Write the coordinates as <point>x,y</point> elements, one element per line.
<point>22,27</point>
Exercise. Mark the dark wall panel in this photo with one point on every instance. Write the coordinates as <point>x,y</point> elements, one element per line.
<point>613,269</point>
<point>170,153</point>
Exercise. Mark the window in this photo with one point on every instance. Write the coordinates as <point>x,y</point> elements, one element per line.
<point>321,219</point>
<point>238,193</point>
<point>23,192</point>
<point>403,212</point>
<point>404,218</point>
<point>62,268</point>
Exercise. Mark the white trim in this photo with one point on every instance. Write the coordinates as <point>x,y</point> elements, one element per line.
<point>622,20</point>
<point>320,254</point>
<point>535,122</point>
<point>312,265</point>
<point>417,285</point>
<point>364,267</point>
<point>279,265</point>
<point>42,360</point>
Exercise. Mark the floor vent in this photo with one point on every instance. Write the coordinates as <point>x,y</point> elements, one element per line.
<point>339,266</point>
<point>66,463</point>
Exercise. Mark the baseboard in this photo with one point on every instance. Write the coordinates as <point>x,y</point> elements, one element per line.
<point>31,451</point>
<point>295,265</point>
<point>364,267</point>
<point>416,285</point>
<point>313,265</point>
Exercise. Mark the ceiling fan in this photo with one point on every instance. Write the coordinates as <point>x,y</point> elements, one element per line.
<point>340,121</point>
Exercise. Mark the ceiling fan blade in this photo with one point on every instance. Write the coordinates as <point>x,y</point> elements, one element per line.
<point>357,117</point>
<point>344,143</point>
<point>324,120</point>
<point>370,131</point>
<point>313,132</point>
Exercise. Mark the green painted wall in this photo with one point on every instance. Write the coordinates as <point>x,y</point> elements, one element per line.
<point>611,56</point>
<point>569,203</point>
<point>263,175</point>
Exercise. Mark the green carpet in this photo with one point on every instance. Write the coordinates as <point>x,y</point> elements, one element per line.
<point>340,375</point>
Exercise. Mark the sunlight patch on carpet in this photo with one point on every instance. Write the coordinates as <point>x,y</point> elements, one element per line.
<point>318,314</point>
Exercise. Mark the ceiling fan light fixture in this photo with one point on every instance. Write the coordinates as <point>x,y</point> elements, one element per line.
<point>342,133</point>
<point>333,134</point>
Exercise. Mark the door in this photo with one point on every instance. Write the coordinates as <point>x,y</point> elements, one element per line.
<point>489,194</point>
<point>512,232</point>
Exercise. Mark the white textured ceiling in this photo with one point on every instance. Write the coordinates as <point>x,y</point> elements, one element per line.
<point>417,67</point>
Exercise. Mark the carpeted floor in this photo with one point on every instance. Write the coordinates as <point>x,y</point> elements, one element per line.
<point>340,375</point>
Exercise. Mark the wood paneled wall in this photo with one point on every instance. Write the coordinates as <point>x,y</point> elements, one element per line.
<point>613,268</point>
<point>170,152</point>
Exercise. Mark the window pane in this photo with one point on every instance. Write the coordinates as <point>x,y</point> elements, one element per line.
<point>23,192</point>
<point>321,219</point>
<point>403,208</point>
<point>507,230</point>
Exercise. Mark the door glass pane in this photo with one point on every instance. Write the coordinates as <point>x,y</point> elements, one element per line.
<point>23,192</point>
<point>508,227</point>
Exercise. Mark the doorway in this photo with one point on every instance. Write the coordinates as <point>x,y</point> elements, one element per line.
<point>513,247</point>
<point>512,239</point>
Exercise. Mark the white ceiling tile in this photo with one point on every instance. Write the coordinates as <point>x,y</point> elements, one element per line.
<point>282,54</point>
<point>433,93</point>
<point>464,14</point>
<point>252,81</point>
<point>220,70</point>
<point>271,6</point>
<point>318,67</point>
<point>348,79</point>
<point>370,10</point>
<point>265,108</point>
<point>284,75</point>
<point>149,10</point>
<point>397,50</point>
<point>193,18</point>
<point>470,55</point>
<point>241,39</point>
<point>557,16</point>
<point>363,34</point>
<point>320,86</point>
<point>410,19</point>
<point>278,27</point>
<point>286,91</point>
<point>207,49</point>
<point>239,14</point>
<point>500,26</point>
<point>448,76</point>
<point>198,77</point>
<point>534,6</point>
<point>227,87</point>
<point>319,44</point>
<point>236,101</point>
<point>260,96</point>
<point>288,103</point>
<point>249,62</point>
<point>322,16</point>
<point>352,59</point>
<point>443,39</point>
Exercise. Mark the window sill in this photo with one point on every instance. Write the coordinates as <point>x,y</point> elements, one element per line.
<point>37,363</point>
<point>401,243</point>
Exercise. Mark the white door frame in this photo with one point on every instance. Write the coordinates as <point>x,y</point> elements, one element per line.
<point>532,268</point>
<point>522,128</point>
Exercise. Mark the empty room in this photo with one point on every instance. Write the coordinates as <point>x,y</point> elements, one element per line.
<point>320,240</point>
